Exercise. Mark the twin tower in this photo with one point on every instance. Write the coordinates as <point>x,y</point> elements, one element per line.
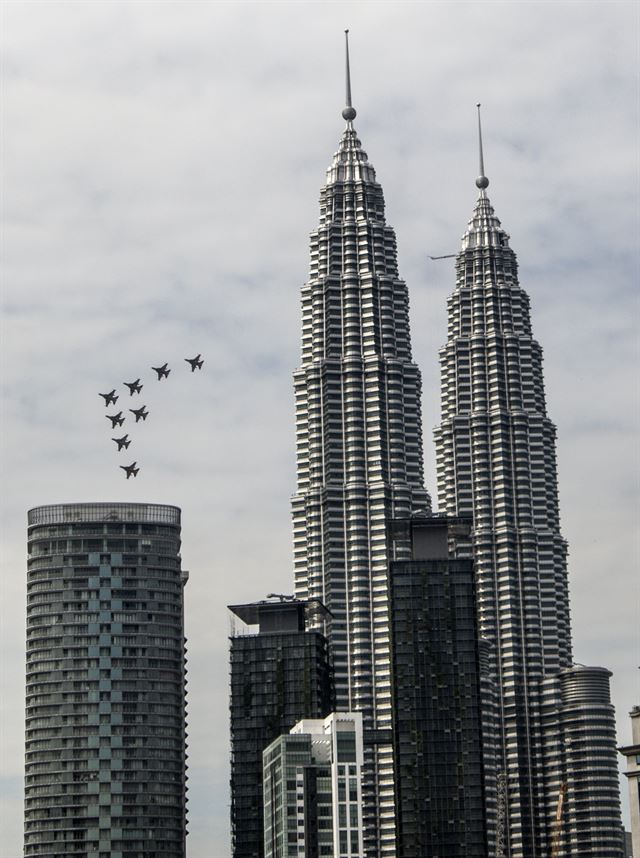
<point>548,741</point>
<point>424,667</point>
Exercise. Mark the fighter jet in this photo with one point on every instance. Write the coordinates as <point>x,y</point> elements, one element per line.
<point>140,413</point>
<point>134,386</point>
<point>130,470</point>
<point>116,419</point>
<point>195,363</point>
<point>162,371</point>
<point>109,398</point>
<point>122,442</point>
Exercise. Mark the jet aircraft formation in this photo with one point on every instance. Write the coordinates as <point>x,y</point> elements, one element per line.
<point>135,387</point>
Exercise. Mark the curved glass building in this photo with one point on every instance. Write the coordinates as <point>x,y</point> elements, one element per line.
<point>105,702</point>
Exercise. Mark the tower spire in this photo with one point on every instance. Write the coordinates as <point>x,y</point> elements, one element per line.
<point>481,182</point>
<point>349,113</point>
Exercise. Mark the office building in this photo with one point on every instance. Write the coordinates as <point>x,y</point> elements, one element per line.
<point>312,790</point>
<point>496,461</point>
<point>435,681</point>
<point>280,673</point>
<point>105,773</point>
<point>359,451</point>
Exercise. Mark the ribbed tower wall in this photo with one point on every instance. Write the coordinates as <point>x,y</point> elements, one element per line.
<point>496,462</point>
<point>359,452</point>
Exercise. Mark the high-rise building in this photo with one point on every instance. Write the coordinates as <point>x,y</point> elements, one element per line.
<point>280,673</point>
<point>312,789</point>
<point>496,462</point>
<point>435,680</point>
<point>359,451</point>
<point>632,753</point>
<point>105,706</point>
<point>580,763</point>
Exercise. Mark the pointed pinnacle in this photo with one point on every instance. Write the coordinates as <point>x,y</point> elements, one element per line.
<point>349,113</point>
<point>481,182</point>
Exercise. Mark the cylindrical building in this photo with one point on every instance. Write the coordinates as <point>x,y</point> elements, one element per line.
<point>581,779</point>
<point>105,701</point>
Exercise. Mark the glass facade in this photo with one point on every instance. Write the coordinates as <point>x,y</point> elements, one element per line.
<point>105,773</point>
<point>277,678</point>
<point>436,704</point>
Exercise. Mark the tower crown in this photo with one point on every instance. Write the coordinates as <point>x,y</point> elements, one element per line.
<point>484,228</point>
<point>350,162</point>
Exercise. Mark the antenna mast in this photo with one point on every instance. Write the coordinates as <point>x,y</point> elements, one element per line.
<point>349,113</point>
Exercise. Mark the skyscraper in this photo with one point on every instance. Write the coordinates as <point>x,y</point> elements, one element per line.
<point>580,764</point>
<point>279,675</point>
<point>435,681</point>
<point>105,711</point>
<point>496,462</point>
<point>359,450</point>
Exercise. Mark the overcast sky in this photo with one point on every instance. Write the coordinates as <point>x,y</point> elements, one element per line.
<point>161,169</point>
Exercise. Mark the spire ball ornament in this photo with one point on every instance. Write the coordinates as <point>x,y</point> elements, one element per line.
<point>349,113</point>
<point>482,182</point>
